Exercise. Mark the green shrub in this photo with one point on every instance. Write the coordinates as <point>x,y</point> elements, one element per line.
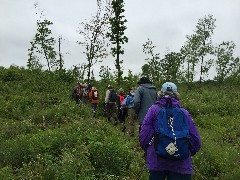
<point>6,173</point>
<point>215,159</point>
<point>45,135</point>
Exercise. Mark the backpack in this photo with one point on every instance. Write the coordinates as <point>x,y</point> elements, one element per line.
<point>94,94</point>
<point>130,100</point>
<point>112,96</point>
<point>85,93</point>
<point>172,134</point>
<point>121,99</point>
<point>77,90</point>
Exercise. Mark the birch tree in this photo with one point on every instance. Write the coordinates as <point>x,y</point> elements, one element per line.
<point>93,35</point>
<point>43,44</point>
<point>225,63</point>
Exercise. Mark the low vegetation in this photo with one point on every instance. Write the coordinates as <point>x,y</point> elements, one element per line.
<point>45,135</point>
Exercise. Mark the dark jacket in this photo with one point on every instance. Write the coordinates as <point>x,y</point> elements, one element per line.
<point>156,163</point>
<point>144,97</point>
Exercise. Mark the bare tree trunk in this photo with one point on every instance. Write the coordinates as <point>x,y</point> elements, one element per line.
<point>118,64</point>
<point>200,80</point>
<point>60,55</point>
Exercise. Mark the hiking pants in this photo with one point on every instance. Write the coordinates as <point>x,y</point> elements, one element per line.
<point>161,175</point>
<point>122,113</point>
<point>111,110</point>
<point>131,119</point>
<point>77,99</point>
<point>94,108</point>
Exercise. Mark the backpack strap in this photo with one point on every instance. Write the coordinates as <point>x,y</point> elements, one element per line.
<point>158,104</point>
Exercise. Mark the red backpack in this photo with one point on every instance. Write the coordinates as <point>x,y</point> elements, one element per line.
<point>121,99</point>
<point>94,94</point>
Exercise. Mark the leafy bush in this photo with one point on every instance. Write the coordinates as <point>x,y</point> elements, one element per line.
<point>44,135</point>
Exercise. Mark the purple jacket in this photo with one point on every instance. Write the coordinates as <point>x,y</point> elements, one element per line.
<point>153,161</point>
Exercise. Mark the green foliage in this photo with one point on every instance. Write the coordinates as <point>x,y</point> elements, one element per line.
<point>225,62</point>
<point>116,35</point>
<point>44,135</point>
<point>105,73</point>
<point>171,66</point>
<point>12,74</point>
<point>93,34</point>
<point>204,30</point>
<point>215,112</point>
<point>154,67</point>
<point>117,27</point>
<point>6,173</point>
<point>43,44</point>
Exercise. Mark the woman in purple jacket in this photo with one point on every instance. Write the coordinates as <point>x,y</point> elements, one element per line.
<point>160,168</point>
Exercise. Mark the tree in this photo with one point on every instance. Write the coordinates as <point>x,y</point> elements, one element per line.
<point>116,35</point>
<point>198,48</point>
<point>145,70</point>
<point>189,53</point>
<point>42,44</point>
<point>171,66</point>
<point>225,63</point>
<point>33,62</point>
<point>105,73</point>
<point>130,80</point>
<point>153,66</point>
<point>204,30</point>
<point>94,36</point>
<point>60,61</point>
<point>78,71</point>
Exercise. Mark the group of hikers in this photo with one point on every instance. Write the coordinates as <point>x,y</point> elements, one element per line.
<point>85,92</point>
<point>117,106</point>
<point>167,132</point>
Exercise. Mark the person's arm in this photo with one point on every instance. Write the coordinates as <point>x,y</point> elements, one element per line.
<point>137,100</point>
<point>107,96</point>
<point>148,127</point>
<point>90,95</point>
<point>195,140</point>
<point>124,103</point>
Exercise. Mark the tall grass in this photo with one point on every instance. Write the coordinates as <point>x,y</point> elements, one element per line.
<point>45,135</point>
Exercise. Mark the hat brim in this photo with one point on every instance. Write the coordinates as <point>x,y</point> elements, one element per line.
<point>144,82</point>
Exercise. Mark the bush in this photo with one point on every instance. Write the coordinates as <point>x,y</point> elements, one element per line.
<point>44,135</point>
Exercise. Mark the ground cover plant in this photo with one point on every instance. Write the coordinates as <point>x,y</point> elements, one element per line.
<point>46,135</point>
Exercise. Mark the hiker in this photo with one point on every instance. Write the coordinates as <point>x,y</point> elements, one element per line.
<point>121,112</point>
<point>169,162</point>
<point>144,97</point>
<point>94,97</point>
<point>128,104</point>
<point>85,95</point>
<point>77,91</point>
<point>89,87</point>
<point>110,100</point>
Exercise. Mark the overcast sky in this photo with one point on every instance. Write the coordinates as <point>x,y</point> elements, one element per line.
<point>165,22</point>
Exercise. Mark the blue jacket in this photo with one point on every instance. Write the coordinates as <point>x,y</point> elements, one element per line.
<point>145,96</point>
<point>128,101</point>
<point>153,161</point>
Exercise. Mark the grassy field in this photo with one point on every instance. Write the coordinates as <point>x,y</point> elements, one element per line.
<point>45,135</point>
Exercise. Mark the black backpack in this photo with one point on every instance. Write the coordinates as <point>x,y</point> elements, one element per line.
<point>112,96</point>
